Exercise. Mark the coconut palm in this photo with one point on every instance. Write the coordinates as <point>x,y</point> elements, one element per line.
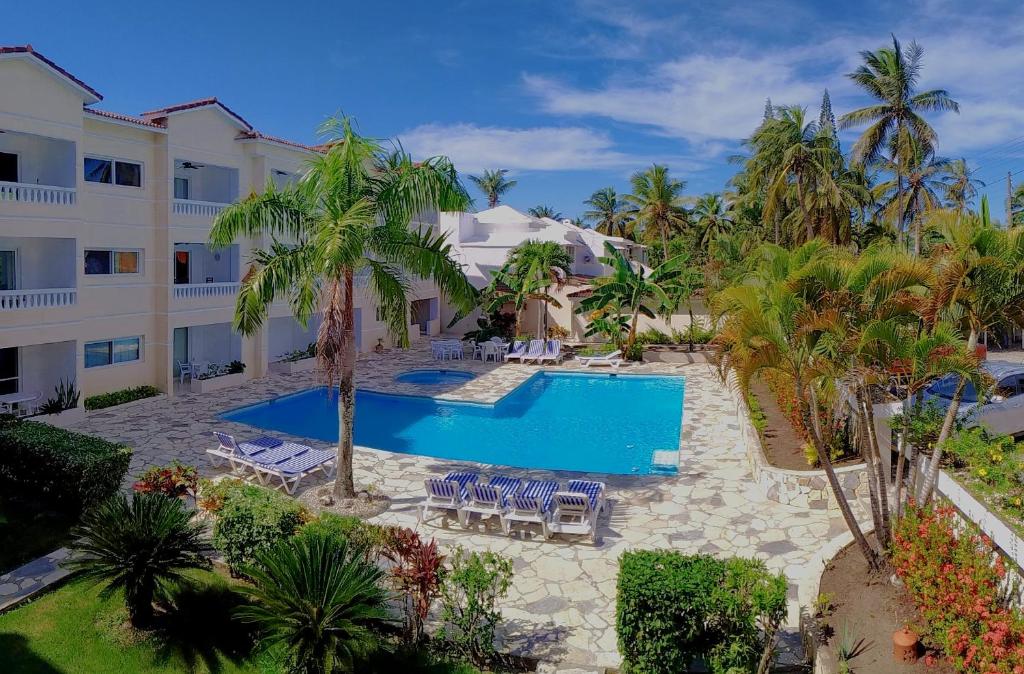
<point>349,216</point>
<point>961,187</point>
<point>494,185</point>
<point>632,289</point>
<point>139,545</point>
<point>530,269</point>
<point>319,599</point>
<point>655,204</point>
<point>922,188</point>
<point>544,211</point>
<point>607,212</point>
<point>711,219</point>
<point>890,77</point>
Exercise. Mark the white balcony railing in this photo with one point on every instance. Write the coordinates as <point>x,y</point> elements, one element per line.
<point>187,291</point>
<point>43,298</point>
<point>202,209</point>
<point>37,194</point>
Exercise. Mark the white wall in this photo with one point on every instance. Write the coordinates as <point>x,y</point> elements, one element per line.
<point>203,263</point>
<point>42,262</point>
<point>214,343</point>
<point>42,160</point>
<point>286,335</point>
<point>210,183</point>
<point>42,366</point>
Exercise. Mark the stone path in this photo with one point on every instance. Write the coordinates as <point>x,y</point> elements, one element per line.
<point>21,583</point>
<point>562,604</point>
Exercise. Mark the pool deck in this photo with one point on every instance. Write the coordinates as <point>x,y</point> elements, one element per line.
<point>561,606</point>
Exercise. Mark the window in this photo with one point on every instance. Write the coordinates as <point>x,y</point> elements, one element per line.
<point>8,370</point>
<point>8,167</point>
<point>113,351</point>
<point>181,190</point>
<point>8,270</point>
<point>110,171</point>
<point>380,314</point>
<point>111,262</point>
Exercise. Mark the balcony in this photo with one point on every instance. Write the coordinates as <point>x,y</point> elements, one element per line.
<point>37,273</point>
<point>36,169</point>
<point>46,298</point>
<point>204,277</point>
<point>201,191</point>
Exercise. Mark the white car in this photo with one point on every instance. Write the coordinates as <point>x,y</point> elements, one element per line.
<point>1002,412</point>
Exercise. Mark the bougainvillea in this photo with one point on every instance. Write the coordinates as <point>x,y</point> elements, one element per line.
<point>957,581</point>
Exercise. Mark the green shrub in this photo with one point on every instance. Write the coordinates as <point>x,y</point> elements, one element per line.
<point>65,397</point>
<point>356,532</point>
<point>694,333</point>
<point>634,353</point>
<point>470,588</point>
<point>653,336</point>
<point>72,469</point>
<point>252,520</point>
<point>674,609</point>
<point>127,395</point>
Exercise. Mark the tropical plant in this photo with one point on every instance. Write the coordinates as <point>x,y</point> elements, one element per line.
<point>961,187</point>
<point>493,324</point>
<point>609,322</point>
<point>890,75</point>
<point>544,211</point>
<point>633,290</point>
<point>530,269</point>
<point>607,212</point>
<point>175,480</point>
<point>350,215</point>
<point>319,600</point>
<point>65,397</point>
<point>655,204</point>
<point>711,218</point>
<point>494,185</point>
<point>138,545</point>
<point>922,188</point>
<point>416,572</point>
<point>472,584</point>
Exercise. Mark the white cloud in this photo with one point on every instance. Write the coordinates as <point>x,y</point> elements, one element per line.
<point>475,148</point>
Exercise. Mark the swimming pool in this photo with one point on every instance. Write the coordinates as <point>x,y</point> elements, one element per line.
<point>559,421</point>
<point>434,377</point>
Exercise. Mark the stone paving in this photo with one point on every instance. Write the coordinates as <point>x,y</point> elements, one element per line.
<point>562,604</point>
<point>26,580</point>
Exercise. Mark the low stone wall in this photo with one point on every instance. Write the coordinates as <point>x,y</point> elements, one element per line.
<point>801,488</point>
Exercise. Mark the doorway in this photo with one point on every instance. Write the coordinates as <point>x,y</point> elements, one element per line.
<point>182,266</point>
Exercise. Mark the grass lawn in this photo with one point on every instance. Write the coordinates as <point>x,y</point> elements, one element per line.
<point>29,530</point>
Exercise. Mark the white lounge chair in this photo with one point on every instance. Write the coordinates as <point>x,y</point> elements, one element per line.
<point>614,359</point>
<point>552,351</point>
<point>489,500</point>
<point>535,351</point>
<point>575,511</point>
<point>517,351</point>
<point>530,505</point>
<point>290,471</point>
<point>446,495</point>
<point>239,453</point>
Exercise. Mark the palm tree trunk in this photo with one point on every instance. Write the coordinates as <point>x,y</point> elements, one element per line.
<point>140,611</point>
<point>808,225</point>
<point>344,485</point>
<point>664,241</point>
<point>830,473</point>
<point>881,472</point>
<point>901,461</point>
<point>632,331</point>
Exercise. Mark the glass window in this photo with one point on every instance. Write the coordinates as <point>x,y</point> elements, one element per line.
<point>126,349</point>
<point>97,354</point>
<point>181,188</point>
<point>126,262</point>
<point>97,262</point>
<point>122,350</point>
<point>128,174</point>
<point>98,170</point>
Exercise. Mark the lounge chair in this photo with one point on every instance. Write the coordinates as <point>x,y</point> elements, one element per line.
<point>614,359</point>
<point>535,351</point>
<point>239,453</point>
<point>290,471</point>
<point>552,351</point>
<point>447,495</point>
<point>530,504</point>
<point>488,500</point>
<point>517,351</point>
<point>575,511</point>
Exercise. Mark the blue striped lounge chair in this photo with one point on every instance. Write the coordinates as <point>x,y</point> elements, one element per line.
<point>535,351</point>
<point>446,495</point>
<point>530,505</point>
<point>575,511</point>
<point>517,351</point>
<point>552,352</point>
<point>240,454</point>
<point>489,500</point>
<point>303,461</point>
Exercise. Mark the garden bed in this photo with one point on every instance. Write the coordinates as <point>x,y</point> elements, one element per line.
<point>293,366</point>
<point>870,608</point>
<point>217,383</point>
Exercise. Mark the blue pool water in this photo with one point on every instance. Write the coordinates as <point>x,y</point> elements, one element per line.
<point>434,377</point>
<point>559,421</point>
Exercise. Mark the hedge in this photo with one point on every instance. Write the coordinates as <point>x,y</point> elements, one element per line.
<point>71,469</point>
<point>253,519</point>
<point>674,610</point>
<point>127,395</point>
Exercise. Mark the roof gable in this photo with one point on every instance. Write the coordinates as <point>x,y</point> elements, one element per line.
<point>30,55</point>
<point>163,113</point>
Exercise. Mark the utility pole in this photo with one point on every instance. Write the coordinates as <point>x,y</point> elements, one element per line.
<point>1009,200</point>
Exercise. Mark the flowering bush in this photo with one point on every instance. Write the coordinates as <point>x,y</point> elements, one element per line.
<point>834,430</point>
<point>174,480</point>
<point>956,580</point>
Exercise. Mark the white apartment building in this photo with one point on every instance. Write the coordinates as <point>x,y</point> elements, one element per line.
<point>105,275</point>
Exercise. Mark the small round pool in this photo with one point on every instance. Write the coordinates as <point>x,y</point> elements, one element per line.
<point>434,377</point>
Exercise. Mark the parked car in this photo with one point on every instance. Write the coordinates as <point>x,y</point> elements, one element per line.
<point>1001,409</point>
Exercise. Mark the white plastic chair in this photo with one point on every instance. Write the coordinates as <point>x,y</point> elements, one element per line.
<point>490,351</point>
<point>185,370</point>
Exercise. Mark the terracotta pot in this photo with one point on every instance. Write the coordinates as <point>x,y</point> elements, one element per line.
<point>904,645</point>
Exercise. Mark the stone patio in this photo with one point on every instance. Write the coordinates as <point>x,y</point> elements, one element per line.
<point>562,604</point>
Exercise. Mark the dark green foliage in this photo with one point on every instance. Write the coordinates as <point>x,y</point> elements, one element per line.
<point>236,367</point>
<point>471,586</point>
<point>675,609</point>
<point>126,395</point>
<point>65,397</point>
<point>73,469</point>
<point>252,520</point>
<point>138,546</point>
<point>318,599</point>
<point>356,532</point>
<point>495,324</point>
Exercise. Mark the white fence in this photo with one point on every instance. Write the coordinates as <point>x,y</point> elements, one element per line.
<point>37,194</point>
<point>185,291</point>
<point>201,209</point>
<point>14,300</point>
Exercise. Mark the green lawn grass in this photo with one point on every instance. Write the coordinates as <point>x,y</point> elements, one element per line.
<point>29,530</point>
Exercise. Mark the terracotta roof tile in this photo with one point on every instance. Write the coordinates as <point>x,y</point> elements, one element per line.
<point>27,49</point>
<point>256,135</point>
<point>199,103</point>
<point>125,118</point>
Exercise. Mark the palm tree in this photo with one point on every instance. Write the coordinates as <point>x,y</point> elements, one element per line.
<point>320,600</point>
<point>493,184</point>
<point>633,290</point>
<point>961,187</point>
<point>711,218</point>
<point>544,211</point>
<point>607,212</point>
<point>138,545</point>
<point>531,268</point>
<point>920,191</point>
<point>890,77</point>
<point>610,322</point>
<point>349,215</point>
<point>656,204</point>
<point>1017,207</point>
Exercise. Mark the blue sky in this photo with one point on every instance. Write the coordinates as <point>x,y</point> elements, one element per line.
<point>569,96</point>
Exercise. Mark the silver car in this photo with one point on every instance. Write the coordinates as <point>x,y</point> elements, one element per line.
<point>1001,409</point>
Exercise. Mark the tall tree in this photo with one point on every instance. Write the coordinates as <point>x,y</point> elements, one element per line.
<point>890,76</point>
<point>827,120</point>
<point>350,214</point>
<point>711,218</point>
<point>920,191</point>
<point>530,269</point>
<point>769,111</point>
<point>607,212</point>
<point>544,211</point>
<point>961,187</point>
<point>656,204</point>
<point>494,185</point>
